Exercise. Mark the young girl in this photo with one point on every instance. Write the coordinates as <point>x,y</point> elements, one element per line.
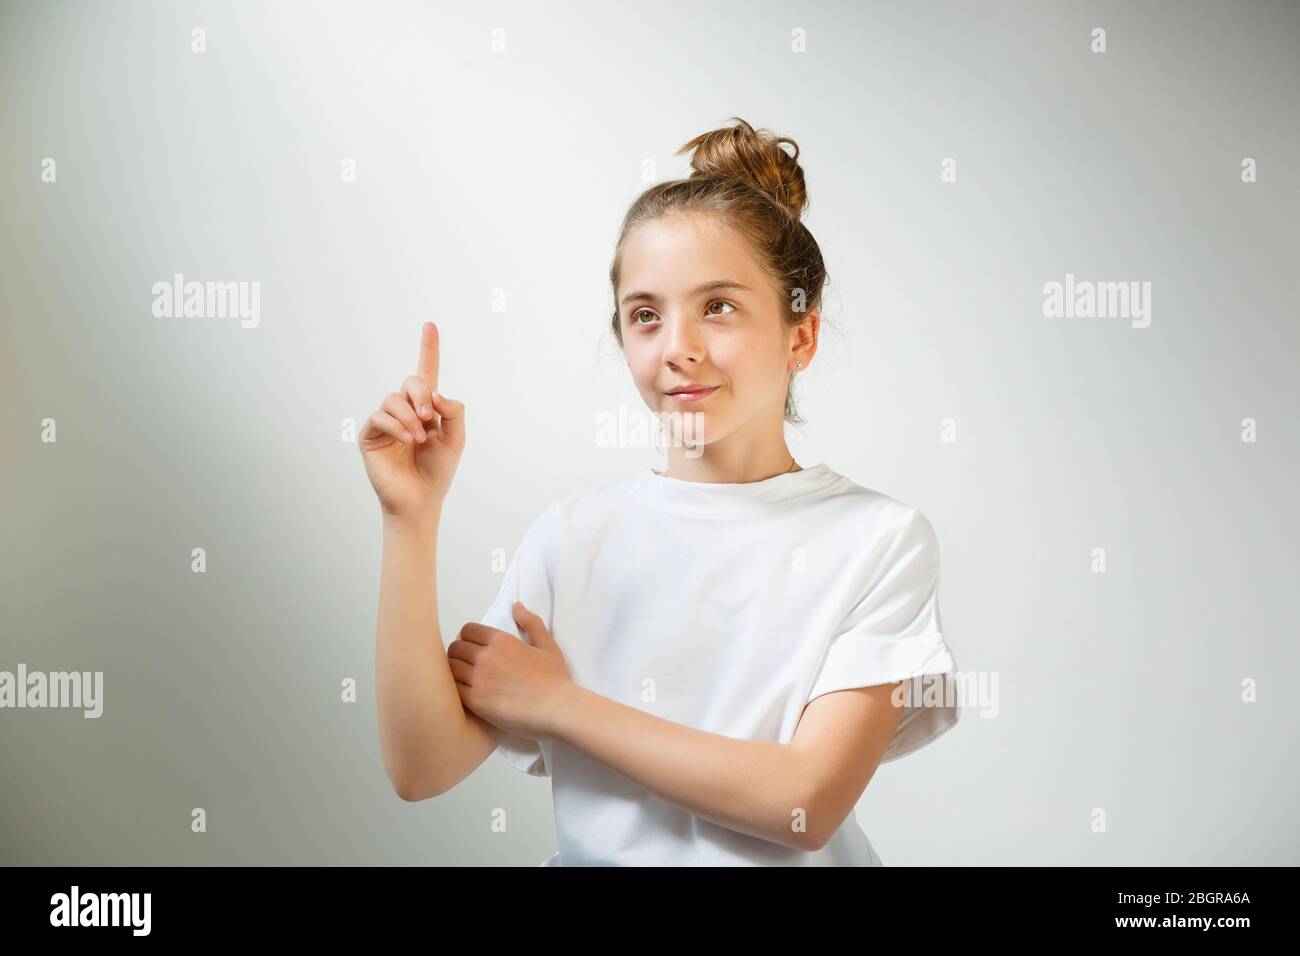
<point>711,661</point>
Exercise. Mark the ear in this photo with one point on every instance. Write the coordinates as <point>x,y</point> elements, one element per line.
<point>804,344</point>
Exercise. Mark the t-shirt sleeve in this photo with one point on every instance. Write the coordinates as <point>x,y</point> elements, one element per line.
<point>894,633</point>
<point>528,578</point>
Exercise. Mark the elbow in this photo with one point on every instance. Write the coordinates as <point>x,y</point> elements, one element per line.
<point>412,788</point>
<point>413,794</point>
<point>815,840</point>
<point>803,833</point>
<point>807,841</point>
<point>823,820</point>
<point>409,794</point>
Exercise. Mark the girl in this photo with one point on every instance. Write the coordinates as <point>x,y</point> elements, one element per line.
<point>709,661</point>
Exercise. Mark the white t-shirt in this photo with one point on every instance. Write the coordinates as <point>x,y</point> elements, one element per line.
<point>724,607</point>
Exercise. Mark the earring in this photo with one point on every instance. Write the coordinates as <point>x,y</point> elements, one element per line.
<point>798,364</point>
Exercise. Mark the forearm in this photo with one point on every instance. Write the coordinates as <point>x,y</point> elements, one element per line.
<point>420,711</point>
<point>755,787</point>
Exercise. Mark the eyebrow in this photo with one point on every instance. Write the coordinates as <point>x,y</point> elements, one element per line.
<point>715,286</point>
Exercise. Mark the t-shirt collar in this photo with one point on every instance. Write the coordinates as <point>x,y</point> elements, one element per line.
<point>709,499</point>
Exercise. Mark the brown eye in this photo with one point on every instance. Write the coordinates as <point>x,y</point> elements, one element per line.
<point>720,302</point>
<point>633,317</point>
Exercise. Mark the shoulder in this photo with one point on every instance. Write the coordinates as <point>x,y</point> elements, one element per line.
<point>882,518</point>
<point>587,503</point>
<point>577,509</point>
<point>883,537</point>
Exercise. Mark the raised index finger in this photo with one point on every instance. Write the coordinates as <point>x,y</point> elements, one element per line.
<point>428,367</point>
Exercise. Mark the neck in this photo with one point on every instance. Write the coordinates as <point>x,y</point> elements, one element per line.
<point>706,463</point>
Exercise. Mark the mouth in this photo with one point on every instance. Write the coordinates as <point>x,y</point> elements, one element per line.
<point>692,394</point>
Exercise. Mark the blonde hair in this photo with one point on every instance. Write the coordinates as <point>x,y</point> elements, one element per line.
<point>745,179</point>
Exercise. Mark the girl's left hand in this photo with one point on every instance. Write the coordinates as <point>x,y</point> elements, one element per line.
<point>515,685</point>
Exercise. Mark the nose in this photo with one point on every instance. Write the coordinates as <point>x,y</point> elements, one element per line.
<point>683,344</point>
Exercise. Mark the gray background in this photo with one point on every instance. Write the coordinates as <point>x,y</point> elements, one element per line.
<point>480,171</point>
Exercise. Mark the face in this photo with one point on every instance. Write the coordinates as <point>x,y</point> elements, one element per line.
<point>697,310</point>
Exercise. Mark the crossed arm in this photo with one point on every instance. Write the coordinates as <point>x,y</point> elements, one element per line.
<point>795,794</point>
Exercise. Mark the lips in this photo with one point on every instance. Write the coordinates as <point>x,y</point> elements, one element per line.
<point>693,394</point>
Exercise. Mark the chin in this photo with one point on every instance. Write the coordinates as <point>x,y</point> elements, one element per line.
<point>681,426</point>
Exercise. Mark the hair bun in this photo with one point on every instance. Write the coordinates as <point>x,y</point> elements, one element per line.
<point>754,157</point>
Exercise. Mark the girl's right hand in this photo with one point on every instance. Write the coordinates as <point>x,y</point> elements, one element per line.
<point>412,444</point>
